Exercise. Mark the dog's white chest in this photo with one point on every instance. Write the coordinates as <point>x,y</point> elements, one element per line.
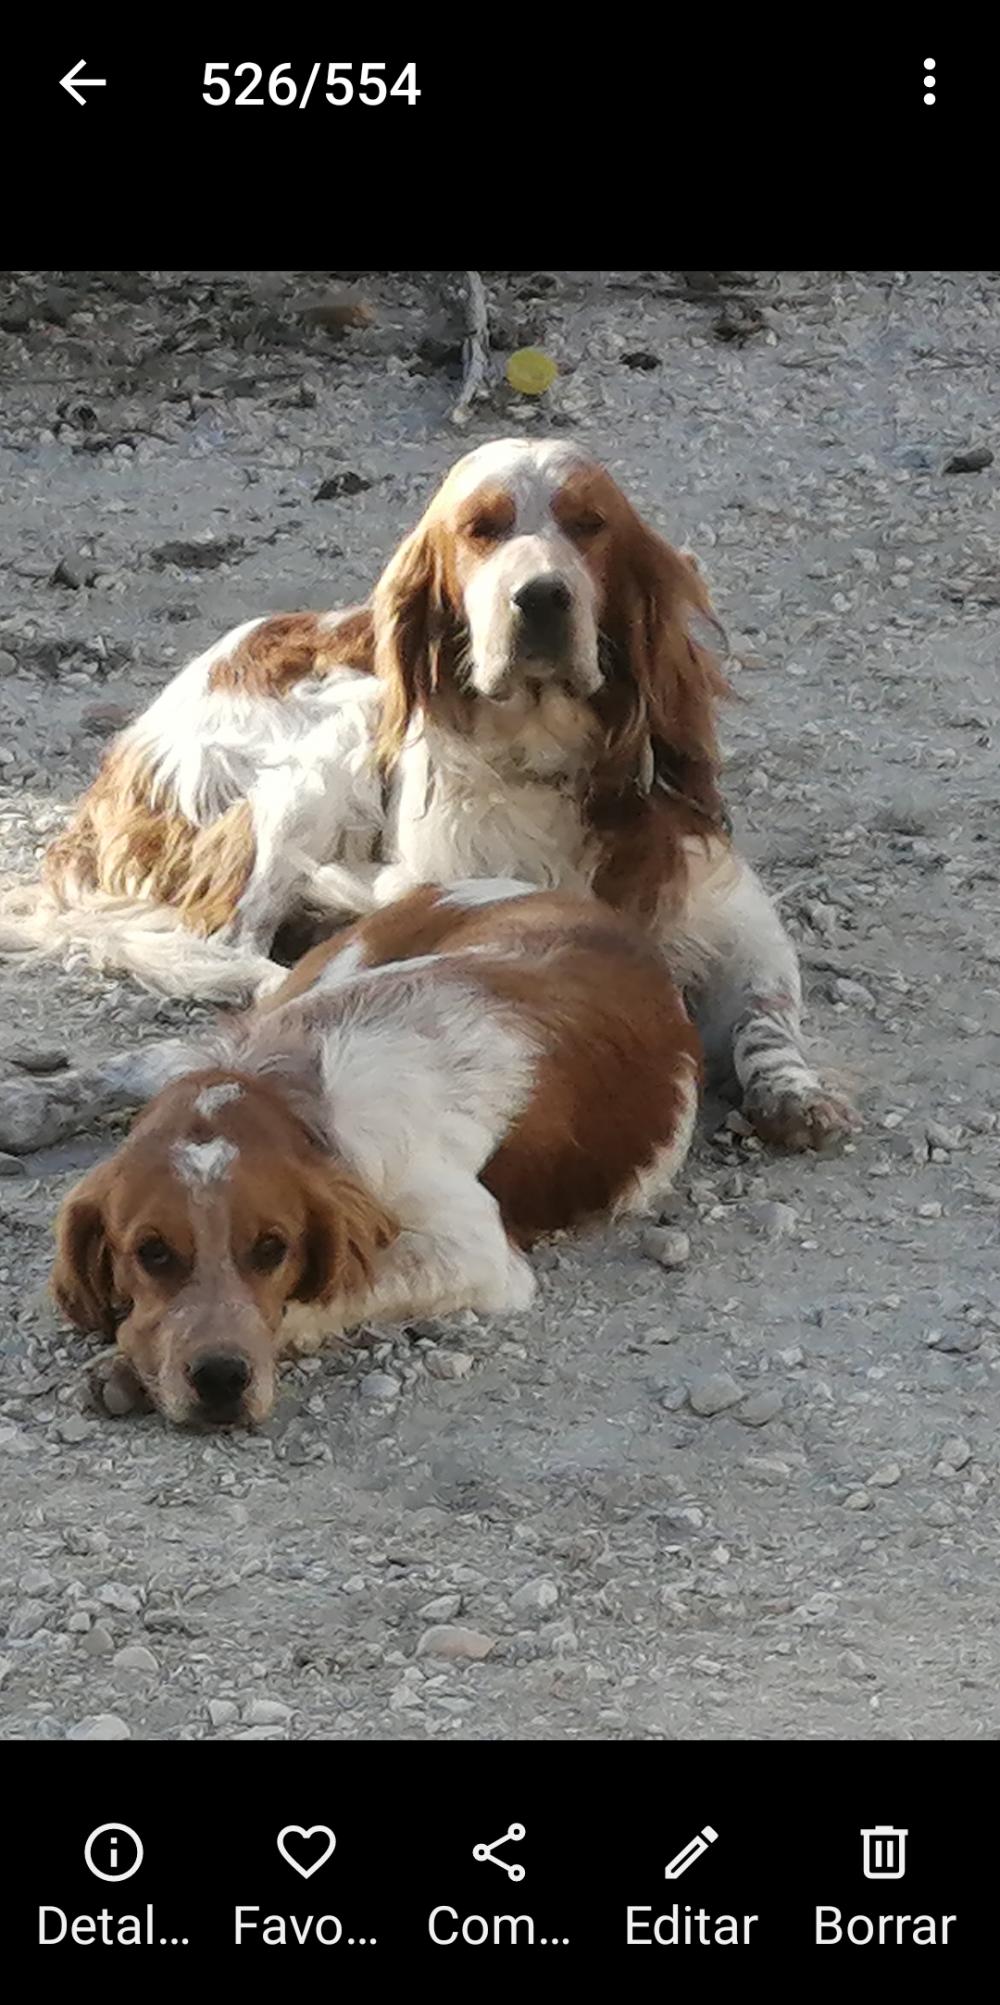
<point>457,818</point>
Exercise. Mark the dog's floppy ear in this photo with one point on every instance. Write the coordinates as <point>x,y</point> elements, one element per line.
<point>416,634</point>
<point>82,1277</point>
<point>667,640</point>
<point>346,1229</point>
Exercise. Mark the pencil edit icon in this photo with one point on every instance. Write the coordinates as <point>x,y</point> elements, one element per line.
<point>691,1852</point>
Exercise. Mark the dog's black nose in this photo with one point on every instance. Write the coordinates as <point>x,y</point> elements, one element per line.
<point>543,601</point>
<point>219,1378</point>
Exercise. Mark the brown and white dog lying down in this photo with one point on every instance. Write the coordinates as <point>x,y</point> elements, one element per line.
<point>427,1094</point>
<point>531,694</point>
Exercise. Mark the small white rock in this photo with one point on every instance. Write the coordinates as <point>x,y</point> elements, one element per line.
<point>74,1430</point>
<point>266,1713</point>
<point>125,1599</point>
<point>775,1220</point>
<point>379,1385</point>
<point>885,1476</point>
<point>667,1245</point>
<point>956,1452</point>
<point>448,1364</point>
<point>535,1596</point>
<point>222,1712</point>
<point>859,1500</point>
<point>443,1608</point>
<point>714,1394</point>
<point>98,1641</point>
<point>452,1641</point>
<point>36,1580</point>
<point>760,1407</point>
<point>100,1726</point>
<point>135,1657</point>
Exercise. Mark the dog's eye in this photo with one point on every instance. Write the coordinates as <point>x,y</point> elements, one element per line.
<point>156,1256</point>
<point>584,526</point>
<point>482,530</point>
<point>268,1253</point>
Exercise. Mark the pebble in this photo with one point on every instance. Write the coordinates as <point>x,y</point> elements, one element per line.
<point>100,1726</point>
<point>36,1580</point>
<point>135,1657</point>
<point>941,1138</point>
<point>379,1385</point>
<point>28,1616</point>
<point>859,1500</point>
<point>929,1210</point>
<point>14,1441</point>
<point>853,1665</point>
<point>848,991</point>
<point>939,1513</point>
<point>74,1430</point>
<point>443,1608</point>
<point>448,1364</point>
<point>793,1355</point>
<point>222,1711</point>
<point>266,1713</point>
<point>760,1408</point>
<point>98,1641</point>
<point>667,1244</point>
<point>714,1394</point>
<point>535,1596</point>
<point>452,1641</point>
<point>885,1476</point>
<point>11,1166</point>
<point>114,1595</point>
<point>955,1452</point>
<point>28,1118</point>
<point>774,1220</point>
<point>972,461</point>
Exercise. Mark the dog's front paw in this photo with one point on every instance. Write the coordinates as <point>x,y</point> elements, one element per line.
<point>808,1117</point>
<point>114,1388</point>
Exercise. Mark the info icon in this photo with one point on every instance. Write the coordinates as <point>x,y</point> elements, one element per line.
<point>113,1852</point>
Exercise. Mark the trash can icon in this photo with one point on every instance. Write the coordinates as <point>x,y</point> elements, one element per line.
<point>885,1852</point>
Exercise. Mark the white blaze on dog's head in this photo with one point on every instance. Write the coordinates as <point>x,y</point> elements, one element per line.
<point>201,1164</point>
<point>211,1098</point>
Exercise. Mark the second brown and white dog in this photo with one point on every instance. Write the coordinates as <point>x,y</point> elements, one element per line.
<point>530,694</point>
<point>381,1138</point>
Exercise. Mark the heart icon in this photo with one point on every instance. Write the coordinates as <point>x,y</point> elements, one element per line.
<point>299,1831</point>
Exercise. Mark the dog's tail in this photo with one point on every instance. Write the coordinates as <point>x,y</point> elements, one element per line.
<point>132,936</point>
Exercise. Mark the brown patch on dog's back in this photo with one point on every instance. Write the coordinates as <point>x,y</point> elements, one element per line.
<point>289,647</point>
<point>612,1086</point>
<point>598,996</point>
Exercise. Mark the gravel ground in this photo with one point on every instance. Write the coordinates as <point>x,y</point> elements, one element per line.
<point>753,1494</point>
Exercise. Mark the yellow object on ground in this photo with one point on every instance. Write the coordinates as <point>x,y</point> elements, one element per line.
<point>531,371</point>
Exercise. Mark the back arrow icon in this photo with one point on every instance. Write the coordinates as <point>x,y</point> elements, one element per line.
<point>73,78</point>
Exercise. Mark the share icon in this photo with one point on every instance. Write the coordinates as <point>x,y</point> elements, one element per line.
<point>513,1835</point>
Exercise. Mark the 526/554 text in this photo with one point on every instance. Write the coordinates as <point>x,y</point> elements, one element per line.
<point>339,83</point>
